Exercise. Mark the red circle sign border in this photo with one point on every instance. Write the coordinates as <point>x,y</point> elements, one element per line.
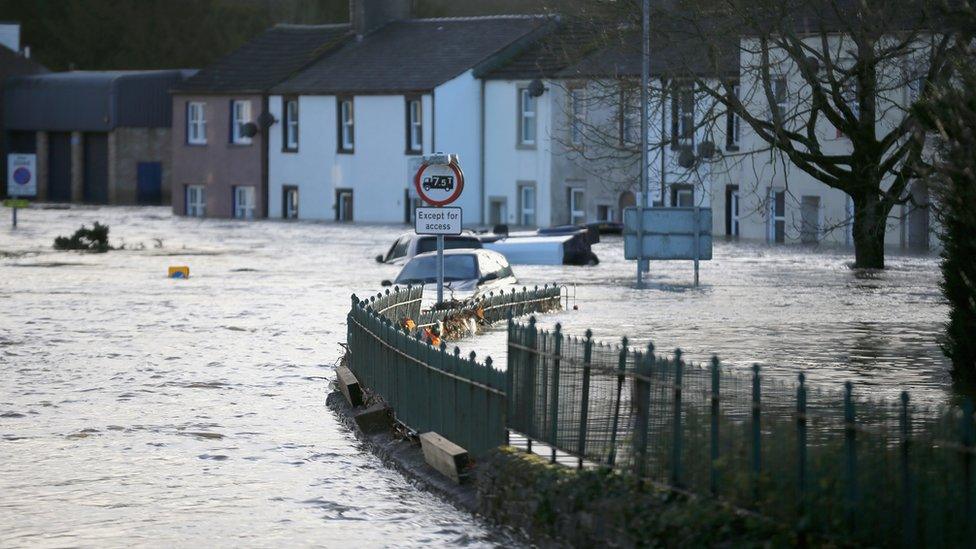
<point>458,188</point>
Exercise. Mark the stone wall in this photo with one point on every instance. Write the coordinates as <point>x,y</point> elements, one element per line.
<point>129,146</point>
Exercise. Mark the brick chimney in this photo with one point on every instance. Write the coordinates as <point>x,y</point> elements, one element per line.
<point>368,15</point>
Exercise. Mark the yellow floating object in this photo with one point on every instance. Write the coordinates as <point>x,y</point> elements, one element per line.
<point>181,271</point>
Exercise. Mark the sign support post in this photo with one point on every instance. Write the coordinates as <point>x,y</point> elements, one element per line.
<point>697,241</point>
<point>439,181</point>
<point>14,216</point>
<point>440,269</point>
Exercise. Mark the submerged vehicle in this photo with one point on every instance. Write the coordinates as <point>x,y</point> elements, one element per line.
<point>409,245</point>
<point>567,249</point>
<point>467,272</point>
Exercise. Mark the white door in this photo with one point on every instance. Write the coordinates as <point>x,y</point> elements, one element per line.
<point>244,202</point>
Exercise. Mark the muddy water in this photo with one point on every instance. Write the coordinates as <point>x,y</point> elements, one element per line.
<point>138,409</point>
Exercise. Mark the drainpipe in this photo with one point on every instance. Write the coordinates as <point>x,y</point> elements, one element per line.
<point>481,167</point>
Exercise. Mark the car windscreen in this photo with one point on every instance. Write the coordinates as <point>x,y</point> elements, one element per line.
<point>423,270</point>
<point>430,244</point>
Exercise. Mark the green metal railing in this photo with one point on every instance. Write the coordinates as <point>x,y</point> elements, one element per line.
<point>429,388</point>
<point>496,307</point>
<point>829,464</point>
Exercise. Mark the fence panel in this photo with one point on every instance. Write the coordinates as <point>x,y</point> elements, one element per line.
<point>425,386</point>
<point>825,463</point>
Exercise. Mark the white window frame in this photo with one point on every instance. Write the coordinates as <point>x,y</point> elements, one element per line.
<point>415,125</point>
<point>683,115</point>
<point>777,84</point>
<point>679,193</point>
<point>574,211</point>
<point>196,200</point>
<point>773,218</point>
<point>291,124</point>
<point>734,213</point>
<point>527,131</point>
<point>196,123</point>
<point>244,201</point>
<point>577,106</point>
<point>240,115</point>
<point>347,125</point>
<point>291,209</point>
<point>734,125</point>
<point>527,215</point>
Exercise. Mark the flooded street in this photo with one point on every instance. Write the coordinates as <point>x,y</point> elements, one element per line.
<point>136,409</point>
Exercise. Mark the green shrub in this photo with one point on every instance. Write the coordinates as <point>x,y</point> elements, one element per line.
<point>85,239</point>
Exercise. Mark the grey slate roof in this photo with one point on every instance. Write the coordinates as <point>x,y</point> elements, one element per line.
<point>271,57</point>
<point>547,56</point>
<point>413,54</point>
<point>90,100</point>
<point>12,63</point>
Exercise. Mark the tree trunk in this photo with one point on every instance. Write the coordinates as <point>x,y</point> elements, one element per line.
<point>870,220</point>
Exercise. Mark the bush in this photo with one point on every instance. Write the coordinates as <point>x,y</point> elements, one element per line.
<point>951,113</point>
<point>85,239</point>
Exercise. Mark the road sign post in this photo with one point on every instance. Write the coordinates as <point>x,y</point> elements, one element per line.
<point>14,204</point>
<point>439,182</point>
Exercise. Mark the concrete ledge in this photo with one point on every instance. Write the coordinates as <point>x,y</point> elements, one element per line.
<point>448,458</point>
<point>349,386</point>
<point>377,417</point>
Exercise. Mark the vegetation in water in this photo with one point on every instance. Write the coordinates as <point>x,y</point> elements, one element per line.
<point>85,239</point>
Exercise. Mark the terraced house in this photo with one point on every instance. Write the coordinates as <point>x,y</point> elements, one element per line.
<point>221,120</point>
<point>350,129</point>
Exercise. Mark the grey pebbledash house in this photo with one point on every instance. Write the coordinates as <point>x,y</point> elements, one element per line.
<point>221,120</point>
<point>100,137</point>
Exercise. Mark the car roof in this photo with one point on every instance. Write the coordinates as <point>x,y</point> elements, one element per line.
<point>468,251</point>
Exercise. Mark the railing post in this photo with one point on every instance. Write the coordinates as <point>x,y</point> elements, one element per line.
<point>585,400</point>
<point>756,433</point>
<point>713,468</point>
<point>907,496</point>
<point>488,423</point>
<point>455,411</point>
<point>622,371</point>
<point>529,380</point>
<point>968,435</point>
<point>510,372</point>
<point>642,399</point>
<point>850,456</point>
<point>801,451</point>
<point>676,434</point>
<point>554,417</point>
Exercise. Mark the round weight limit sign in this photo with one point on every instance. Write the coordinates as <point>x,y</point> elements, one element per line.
<point>439,184</point>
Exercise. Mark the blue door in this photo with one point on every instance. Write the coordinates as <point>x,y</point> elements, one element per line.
<point>149,183</point>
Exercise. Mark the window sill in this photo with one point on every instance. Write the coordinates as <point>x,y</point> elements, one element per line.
<point>291,151</point>
<point>188,144</point>
<point>345,151</point>
<point>732,148</point>
<point>240,145</point>
<point>526,146</point>
<point>412,152</point>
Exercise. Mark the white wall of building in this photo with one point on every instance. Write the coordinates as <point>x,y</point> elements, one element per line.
<point>457,130</point>
<point>507,163</point>
<point>376,171</point>
<point>764,171</point>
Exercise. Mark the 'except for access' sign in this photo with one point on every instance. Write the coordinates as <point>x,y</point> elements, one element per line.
<point>445,221</point>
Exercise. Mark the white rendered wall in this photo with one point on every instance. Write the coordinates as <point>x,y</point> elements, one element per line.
<point>376,170</point>
<point>508,164</point>
<point>457,129</point>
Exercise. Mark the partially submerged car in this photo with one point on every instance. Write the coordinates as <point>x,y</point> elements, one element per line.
<point>566,249</point>
<point>409,245</point>
<point>467,272</point>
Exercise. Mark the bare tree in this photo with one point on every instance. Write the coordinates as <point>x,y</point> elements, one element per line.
<point>825,86</point>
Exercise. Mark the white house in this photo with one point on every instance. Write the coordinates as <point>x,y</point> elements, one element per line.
<point>563,133</point>
<point>350,128</point>
<point>786,204</point>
